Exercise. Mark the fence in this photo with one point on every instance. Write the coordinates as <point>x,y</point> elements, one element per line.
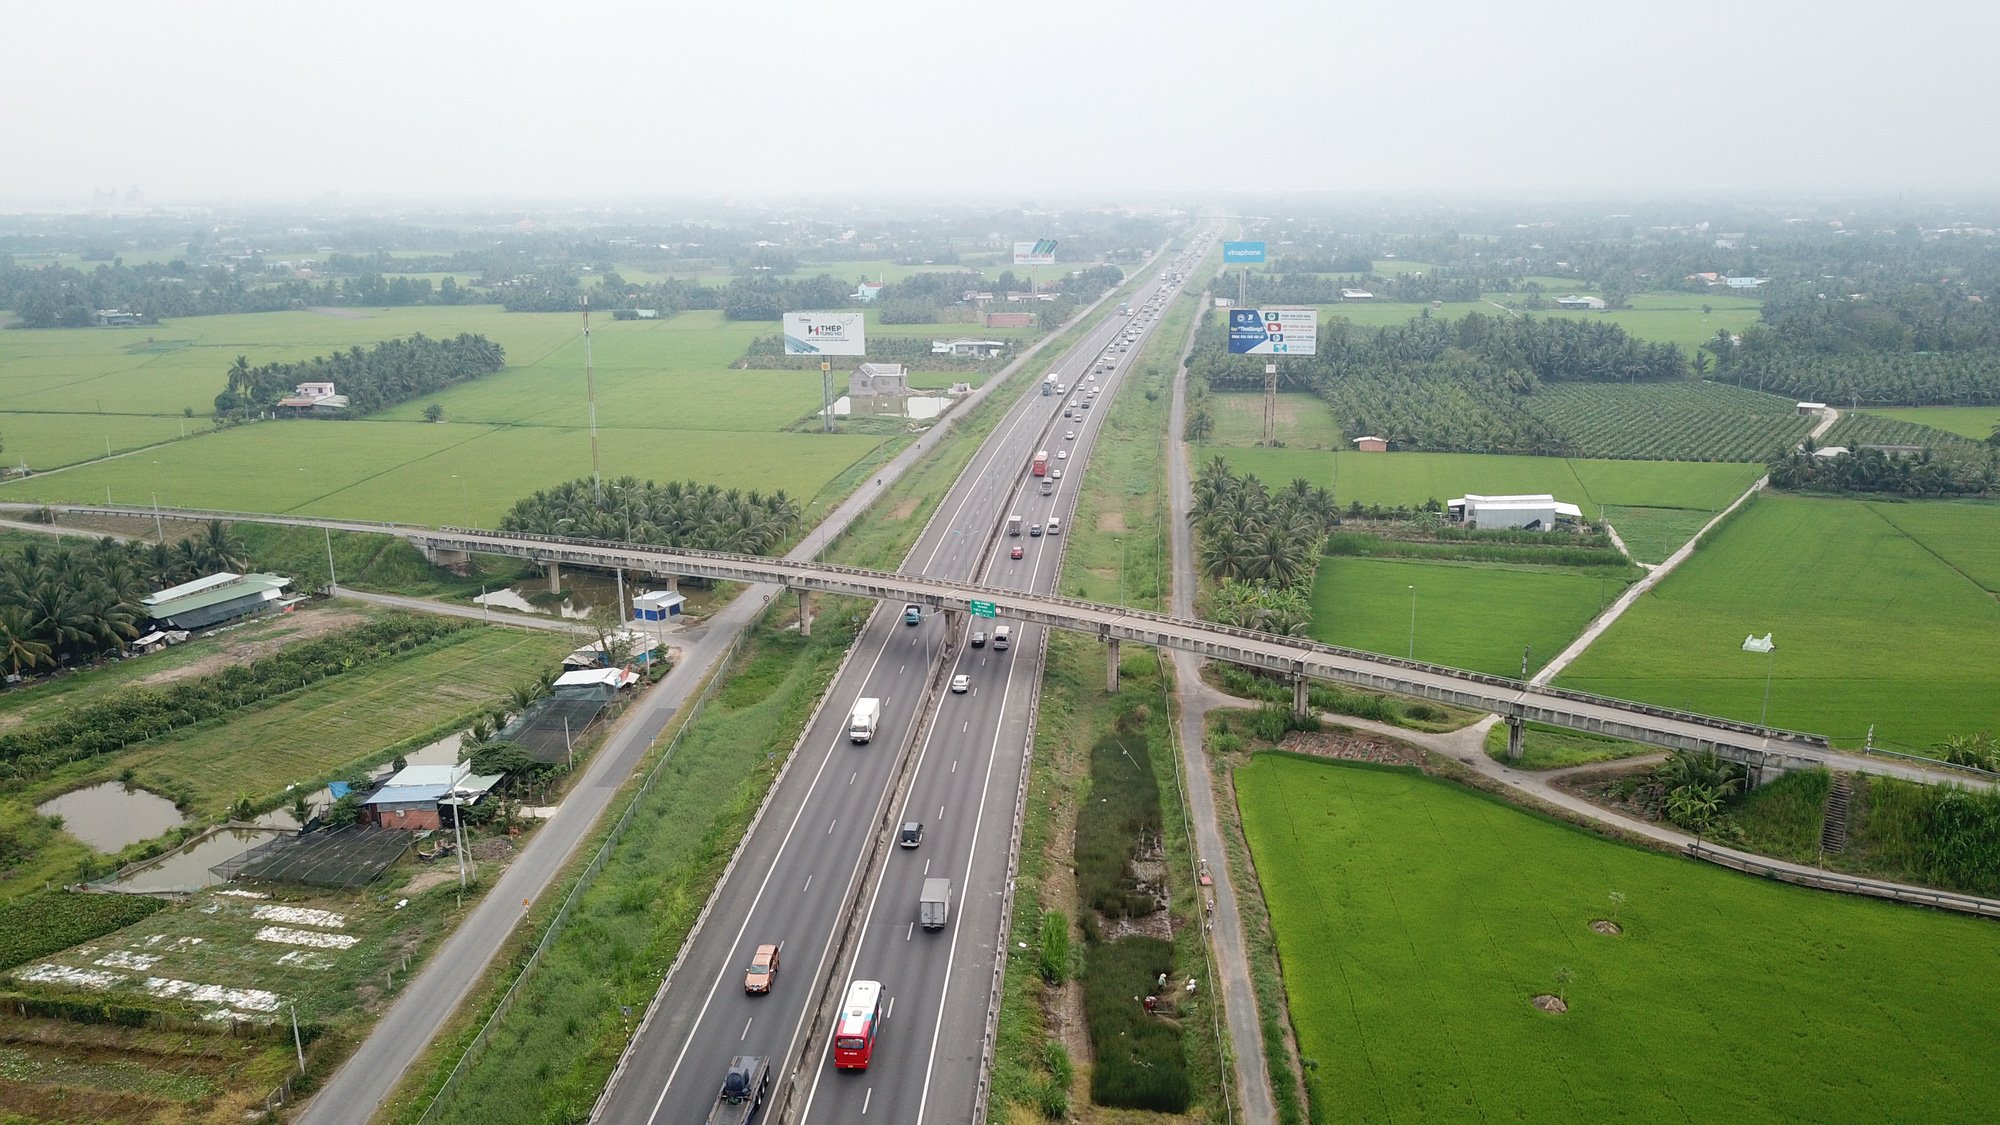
<point>583,883</point>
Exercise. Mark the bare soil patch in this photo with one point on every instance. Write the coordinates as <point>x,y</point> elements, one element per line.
<point>436,876</point>
<point>1549,1003</point>
<point>906,509</point>
<point>307,626</point>
<point>1348,746</point>
<point>1607,927</point>
<point>1111,521</point>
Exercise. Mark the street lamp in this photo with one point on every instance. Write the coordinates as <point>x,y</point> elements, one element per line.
<point>1413,623</point>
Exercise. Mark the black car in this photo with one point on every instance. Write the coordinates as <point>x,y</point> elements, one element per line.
<point>979,639</point>
<point>911,835</point>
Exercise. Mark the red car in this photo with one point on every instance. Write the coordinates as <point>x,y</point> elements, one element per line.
<point>1015,553</point>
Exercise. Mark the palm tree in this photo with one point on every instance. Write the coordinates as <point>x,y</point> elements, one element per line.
<point>220,548</point>
<point>20,651</point>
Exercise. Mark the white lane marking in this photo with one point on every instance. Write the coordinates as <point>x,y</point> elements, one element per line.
<point>867,1097</point>
<point>851,777</point>
<point>762,886</point>
<point>911,932</point>
<point>892,1009</point>
<point>829,827</point>
<point>808,886</point>
<point>746,1029</point>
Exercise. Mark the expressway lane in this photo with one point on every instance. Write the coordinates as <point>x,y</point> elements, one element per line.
<point>930,1057</point>
<point>789,886</point>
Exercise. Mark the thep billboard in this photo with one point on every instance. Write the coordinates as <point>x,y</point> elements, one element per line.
<point>1243,252</point>
<point>1273,331</point>
<point>1041,252</point>
<point>825,333</point>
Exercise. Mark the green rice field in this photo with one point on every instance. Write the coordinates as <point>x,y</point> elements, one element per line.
<point>669,406</point>
<point>1666,318</point>
<point>1415,921</point>
<point>1412,478</point>
<point>1466,615</point>
<point>1975,422</point>
<point>1883,616</point>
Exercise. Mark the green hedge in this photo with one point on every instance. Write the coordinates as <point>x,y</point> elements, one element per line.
<point>1140,1064</point>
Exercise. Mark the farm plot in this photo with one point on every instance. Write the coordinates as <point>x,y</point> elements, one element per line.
<point>1868,428</point>
<point>1304,421</point>
<point>1467,615</point>
<point>1963,533</point>
<point>1975,422</point>
<point>1415,921</point>
<point>1688,421</point>
<point>49,441</point>
<point>1873,627</point>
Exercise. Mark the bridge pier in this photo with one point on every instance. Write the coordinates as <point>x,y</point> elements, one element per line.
<point>1301,697</point>
<point>458,562</point>
<point>1111,666</point>
<point>805,613</point>
<point>1515,727</point>
<point>554,569</point>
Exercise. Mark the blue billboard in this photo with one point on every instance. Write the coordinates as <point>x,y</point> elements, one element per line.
<point>1242,251</point>
<point>1286,331</point>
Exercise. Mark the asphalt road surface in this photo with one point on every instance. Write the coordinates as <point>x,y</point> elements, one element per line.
<point>836,805</point>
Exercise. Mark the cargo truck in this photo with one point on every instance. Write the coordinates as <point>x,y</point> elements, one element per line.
<point>1014,526</point>
<point>743,1090</point>
<point>861,723</point>
<point>934,908</point>
<point>1003,636</point>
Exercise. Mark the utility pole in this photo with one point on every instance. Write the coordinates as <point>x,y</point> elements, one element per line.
<point>590,393</point>
<point>332,583</point>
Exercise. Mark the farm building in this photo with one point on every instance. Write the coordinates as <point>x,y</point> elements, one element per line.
<point>1538,512</point>
<point>215,599</point>
<point>1356,295</point>
<point>112,318</point>
<point>1574,301</point>
<point>1812,408</point>
<point>873,379</point>
<point>316,398</point>
<point>658,605</point>
<point>409,800</point>
<point>592,655</point>
<point>1371,444</point>
<point>593,683</point>
<point>977,349</point>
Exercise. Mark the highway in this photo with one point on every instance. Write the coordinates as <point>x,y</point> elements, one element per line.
<point>799,881</point>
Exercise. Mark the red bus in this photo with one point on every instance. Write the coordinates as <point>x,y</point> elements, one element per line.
<point>854,1035</point>
<point>1041,462</point>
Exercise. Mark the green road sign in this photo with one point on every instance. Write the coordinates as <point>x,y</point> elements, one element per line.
<point>983,609</point>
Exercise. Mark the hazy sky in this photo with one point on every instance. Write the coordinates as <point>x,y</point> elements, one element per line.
<point>1078,100</point>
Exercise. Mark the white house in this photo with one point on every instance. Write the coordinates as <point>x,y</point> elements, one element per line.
<point>1574,301</point>
<point>977,349</point>
<point>872,379</point>
<point>1356,295</point>
<point>866,291</point>
<point>1538,512</point>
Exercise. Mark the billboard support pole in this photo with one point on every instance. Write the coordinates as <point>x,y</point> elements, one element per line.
<point>826,395</point>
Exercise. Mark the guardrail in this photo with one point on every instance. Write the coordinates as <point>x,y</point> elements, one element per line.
<point>1935,763</point>
<point>1847,884</point>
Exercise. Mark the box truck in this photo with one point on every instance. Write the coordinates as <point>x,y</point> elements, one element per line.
<point>861,724</point>
<point>934,908</point>
<point>1003,635</point>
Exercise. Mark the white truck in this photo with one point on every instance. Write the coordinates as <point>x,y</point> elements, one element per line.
<point>743,1090</point>
<point>1014,527</point>
<point>934,908</point>
<point>861,721</point>
<point>1003,635</point>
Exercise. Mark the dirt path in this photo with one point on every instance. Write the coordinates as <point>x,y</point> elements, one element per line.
<point>305,626</point>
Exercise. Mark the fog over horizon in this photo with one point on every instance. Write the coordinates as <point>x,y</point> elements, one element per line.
<point>1124,102</point>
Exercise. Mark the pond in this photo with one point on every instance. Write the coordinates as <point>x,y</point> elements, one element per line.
<point>188,868</point>
<point>583,595</point>
<point>108,816</point>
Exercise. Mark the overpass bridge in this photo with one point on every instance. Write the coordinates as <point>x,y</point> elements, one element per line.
<point>1765,752</point>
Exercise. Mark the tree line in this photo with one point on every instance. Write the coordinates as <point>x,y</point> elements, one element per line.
<point>372,379</point>
<point>683,514</point>
<point>1262,546</point>
<point>1923,473</point>
<point>63,603</point>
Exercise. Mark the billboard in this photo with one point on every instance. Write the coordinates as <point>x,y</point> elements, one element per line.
<point>825,333</point>
<point>1242,251</point>
<point>1041,252</point>
<point>1273,331</point>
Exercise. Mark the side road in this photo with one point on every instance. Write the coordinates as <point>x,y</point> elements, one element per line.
<point>1239,999</point>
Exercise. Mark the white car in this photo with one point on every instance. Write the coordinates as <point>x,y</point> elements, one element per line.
<point>1062,454</point>
<point>960,684</point>
<point>1069,435</point>
<point>1056,473</point>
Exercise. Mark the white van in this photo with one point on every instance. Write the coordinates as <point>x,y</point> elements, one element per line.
<point>1055,526</point>
<point>1003,635</point>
